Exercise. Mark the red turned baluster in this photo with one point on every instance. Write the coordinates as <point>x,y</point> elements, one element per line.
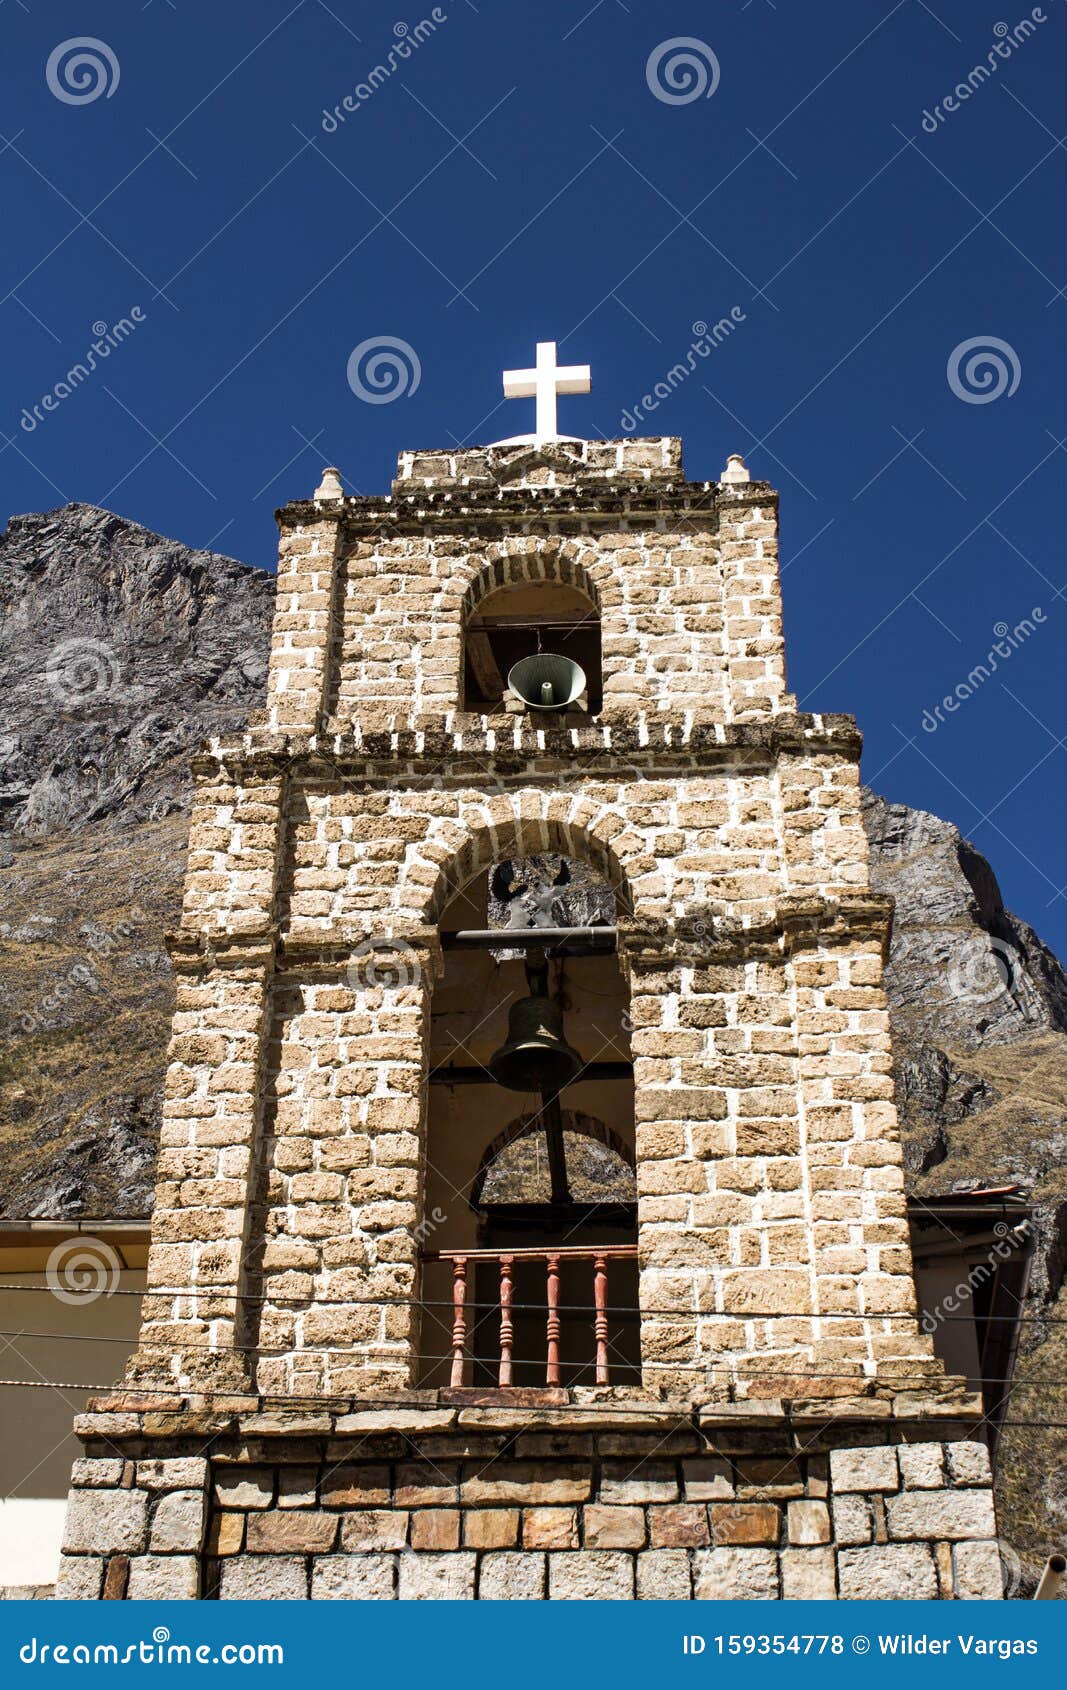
<point>507,1330</point>
<point>459,1319</point>
<point>600,1296</point>
<point>552,1366</point>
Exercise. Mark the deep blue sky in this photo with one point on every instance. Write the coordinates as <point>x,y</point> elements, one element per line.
<point>520,155</point>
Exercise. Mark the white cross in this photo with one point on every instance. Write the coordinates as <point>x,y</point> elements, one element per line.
<point>544,382</point>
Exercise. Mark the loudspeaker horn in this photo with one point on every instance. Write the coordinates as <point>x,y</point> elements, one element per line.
<point>547,681</point>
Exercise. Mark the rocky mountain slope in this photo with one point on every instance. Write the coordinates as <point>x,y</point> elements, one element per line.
<point>121,651</point>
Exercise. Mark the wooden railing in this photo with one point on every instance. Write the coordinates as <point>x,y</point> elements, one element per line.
<point>463,1261</point>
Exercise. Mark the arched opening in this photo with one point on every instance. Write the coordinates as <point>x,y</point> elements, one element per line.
<point>530,1197</point>
<point>522,620</point>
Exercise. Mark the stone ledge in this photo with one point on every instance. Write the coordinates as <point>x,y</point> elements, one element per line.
<point>623,747</point>
<point>495,488</point>
<point>257,1424</point>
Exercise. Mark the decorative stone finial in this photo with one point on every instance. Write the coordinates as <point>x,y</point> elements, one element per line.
<point>329,488</point>
<point>735,469</point>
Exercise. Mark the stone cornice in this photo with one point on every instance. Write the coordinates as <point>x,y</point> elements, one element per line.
<point>798,922</point>
<point>192,950</point>
<point>388,948</point>
<point>600,749</point>
<point>811,1412</point>
<point>600,501</point>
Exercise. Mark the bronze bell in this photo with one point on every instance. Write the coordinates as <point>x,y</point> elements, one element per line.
<point>535,1055</point>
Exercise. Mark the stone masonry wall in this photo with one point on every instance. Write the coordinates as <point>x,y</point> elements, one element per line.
<point>350,1511</point>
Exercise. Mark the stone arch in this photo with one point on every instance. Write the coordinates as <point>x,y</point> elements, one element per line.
<point>525,823</point>
<point>525,562</point>
<point>535,563</point>
<point>617,1171</point>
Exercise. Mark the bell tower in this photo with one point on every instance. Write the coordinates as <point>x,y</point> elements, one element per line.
<point>530,1218</point>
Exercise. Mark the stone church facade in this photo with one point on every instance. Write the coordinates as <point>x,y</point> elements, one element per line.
<point>348,1382</point>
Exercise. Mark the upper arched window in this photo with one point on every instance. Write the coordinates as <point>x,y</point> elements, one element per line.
<point>519,621</point>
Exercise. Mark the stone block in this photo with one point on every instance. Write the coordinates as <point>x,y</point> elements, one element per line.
<point>437,1578</point>
<point>921,1466</point>
<point>809,1522</point>
<point>353,1578</point>
<point>664,1575</point>
<point>864,1469</point>
<point>679,1525</point>
<point>887,1572</point>
<point>363,1486</point>
<point>435,1528</point>
<point>808,1575</point>
<point>613,1528</point>
<point>297,1487</point>
<point>226,1534</point>
<point>650,1481</point>
<point>950,1514</point>
<point>745,1522</point>
<point>550,1528</point>
<point>116,1578</point>
<point>591,1575</point>
<point>179,1521</point>
<point>244,1487</point>
<point>281,1532</point>
<point>106,1522</point>
<point>735,1575</point>
<point>256,1578</point>
<point>81,1578</point>
<point>374,1528</point>
<point>93,1474</point>
<point>968,1462</point>
<point>852,1520</point>
<point>977,1573</point>
<point>707,1479</point>
<point>511,1577</point>
<point>526,1482</point>
<point>164,1578</point>
<point>430,1486</point>
<point>188,1472</point>
<point>491,1528</point>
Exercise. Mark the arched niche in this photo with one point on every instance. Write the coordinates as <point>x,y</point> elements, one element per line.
<point>477,1130</point>
<point>522,606</point>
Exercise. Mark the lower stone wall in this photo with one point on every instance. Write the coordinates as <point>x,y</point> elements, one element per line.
<point>513,1508</point>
